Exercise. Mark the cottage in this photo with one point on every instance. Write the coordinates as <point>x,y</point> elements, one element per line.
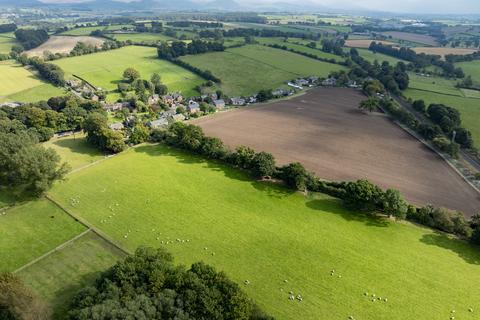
<point>117,126</point>
<point>219,104</point>
<point>159,123</point>
<point>176,118</point>
<point>237,101</point>
<point>301,82</point>
<point>73,83</point>
<point>193,106</point>
<point>168,99</point>
<point>330,82</point>
<point>177,97</point>
<point>110,107</point>
<point>293,85</point>
<point>155,99</point>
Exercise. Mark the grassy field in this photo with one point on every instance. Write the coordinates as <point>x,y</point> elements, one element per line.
<point>468,107</point>
<point>141,37</point>
<point>434,84</point>
<point>248,69</point>
<point>7,40</point>
<point>85,31</point>
<point>471,68</point>
<point>19,84</point>
<point>31,230</point>
<point>105,69</point>
<point>75,150</point>
<point>372,56</point>
<point>265,234</point>
<point>61,274</point>
<point>291,44</point>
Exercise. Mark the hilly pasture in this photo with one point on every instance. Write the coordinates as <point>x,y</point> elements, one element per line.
<point>372,56</point>
<point>7,40</point>
<point>278,240</point>
<point>247,70</point>
<point>105,69</point>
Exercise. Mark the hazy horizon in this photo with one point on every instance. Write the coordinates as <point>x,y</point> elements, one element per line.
<point>405,6</point>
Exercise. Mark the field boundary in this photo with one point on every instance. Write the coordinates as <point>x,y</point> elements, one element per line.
<point>63,245</point>
<point>80,78</point>
<point>88,225</point>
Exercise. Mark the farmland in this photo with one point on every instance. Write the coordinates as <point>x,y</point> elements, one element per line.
<point>271,67</point>
<point>7,40</point>
<point>442,51</point>
<point>141,37</point>
<point>364,43</point>
<point>85,31</point>
<point>105,69</point>
<point>267,235</point>
<point>412,37</point>
<point>365,146</point>
<point>372,56</point>
<point>61,274</point>
<point>19,84</point>
<point>63,44</point>
<point>31,230</point>
<point>471,68</point>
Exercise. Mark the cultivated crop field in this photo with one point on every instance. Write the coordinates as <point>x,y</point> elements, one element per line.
<point>412,37</point>
<point>442,51</point>
<point>63,44</point>
<point>19,84</point>
<point>249,69</point>
<point>265,234</point>
<point>105,69</point>
<point>325,131</point>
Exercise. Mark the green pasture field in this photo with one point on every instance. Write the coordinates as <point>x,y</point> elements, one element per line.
<point>469,107</point>
<point>141,37</point>
<point>292,44</point>
<point>28,231</point>
<point>471,68</point>
<point>59,276</point>
<point>19,84</point>
<point>278,240</point>
<point>85,31</point>
<point>7,40</point>
<point>105,69</point>
<point>372,56</point>
<point>434,84</point>
<point>75,150</point>
<point>248,69</point>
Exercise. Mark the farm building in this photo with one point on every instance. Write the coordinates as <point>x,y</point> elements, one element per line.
<point>193,106</point>
<point>159,123</point>
<point>219,104</point>
<point>237,101</point>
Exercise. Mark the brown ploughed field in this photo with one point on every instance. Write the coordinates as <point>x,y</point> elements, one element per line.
<point>325,131</point>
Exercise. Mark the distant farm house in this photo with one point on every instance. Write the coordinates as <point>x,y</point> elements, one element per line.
<point>117,126</point>
<point>159,123</point>
<point>219,104</point>
<point>193,106</point>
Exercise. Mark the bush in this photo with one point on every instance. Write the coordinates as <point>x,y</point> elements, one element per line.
<point>443,219</point>
<point>447,146</point>
<point>294,175</point>
<point>363,195</point>
<point>419,105</point>
<point>263,165</point>
<point>394,205</point>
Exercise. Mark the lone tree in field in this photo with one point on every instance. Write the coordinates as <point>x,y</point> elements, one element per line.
<point>17,302</point>
<point>370,105</point>
<point>130,74</point>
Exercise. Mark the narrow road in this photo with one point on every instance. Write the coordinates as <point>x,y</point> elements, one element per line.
<point>422,118</point>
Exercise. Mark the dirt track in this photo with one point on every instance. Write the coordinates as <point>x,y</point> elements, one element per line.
<point>325,131</point>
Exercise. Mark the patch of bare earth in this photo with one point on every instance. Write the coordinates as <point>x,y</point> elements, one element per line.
<point>325,131</point>
<point>413,37</point>
<point>63,44</point>
<point>441,51</point>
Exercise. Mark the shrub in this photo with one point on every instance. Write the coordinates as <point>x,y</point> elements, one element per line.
<point>363,195</point>
<point>263,165</point>
<point>294,175</point>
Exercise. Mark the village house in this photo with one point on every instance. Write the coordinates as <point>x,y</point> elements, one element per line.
<point>193,106</point>
<point>176,118</point>
<point>219,104</point>
<point>159,123</point>
<point>155,99</point>
<point>302,82</point>
<point>330,82</point>
<point>293,85</point>
<point>74,83</point>
<point>237,101</point>
<point>110,107</point>
<point>117,126</point>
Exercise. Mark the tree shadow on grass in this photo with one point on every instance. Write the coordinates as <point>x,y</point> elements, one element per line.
<point>76,145</point>
<point>270,188</point>
<point>466,251</point>
<point>334,206</point>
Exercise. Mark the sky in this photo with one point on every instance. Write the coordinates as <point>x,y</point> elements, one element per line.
<point>410,6</point>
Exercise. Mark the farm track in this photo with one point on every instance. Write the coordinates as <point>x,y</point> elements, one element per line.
<point>326,132</point>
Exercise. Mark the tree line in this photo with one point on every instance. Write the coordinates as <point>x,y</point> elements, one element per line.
<point>179,48</point>
<point>421,60</point>
<point>360,195</point>
<point>268,33</point>
<point>8,27</point>
<point>48,71</point>
<point>190,23</point>
<point>306,54</point>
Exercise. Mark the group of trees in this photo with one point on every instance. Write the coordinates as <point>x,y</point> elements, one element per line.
<point>418,60</point>
<point>179,48</point>
<point>303,53</point>
<point>394,79</point>
<point>8,27</point>
<point>25,165</point>
<point>101,136</point>
<point>270,32</point>
<point>190,23</point>
<point>334,46</point>
<point>31,38</point>
<point>147,285</point>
